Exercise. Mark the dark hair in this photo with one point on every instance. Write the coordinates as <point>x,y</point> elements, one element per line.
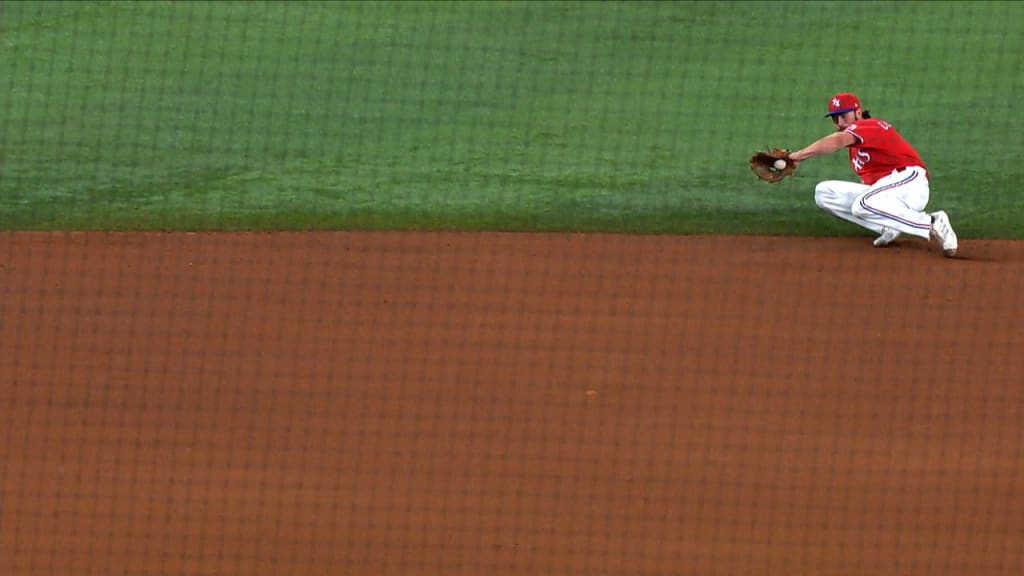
<point>866,114</point>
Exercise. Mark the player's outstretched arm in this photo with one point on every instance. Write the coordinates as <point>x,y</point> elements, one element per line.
<point>825,145</point>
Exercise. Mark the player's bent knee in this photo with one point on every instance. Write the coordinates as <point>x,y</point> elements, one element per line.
<point>824,196</point>
<point>859,209</point>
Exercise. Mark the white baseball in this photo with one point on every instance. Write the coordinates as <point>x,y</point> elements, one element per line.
<point>780,164</point>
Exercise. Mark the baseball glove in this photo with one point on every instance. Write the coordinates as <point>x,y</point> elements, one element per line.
<point>763,165</point>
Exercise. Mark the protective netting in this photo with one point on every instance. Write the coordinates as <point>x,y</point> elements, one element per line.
<point>219,355</point>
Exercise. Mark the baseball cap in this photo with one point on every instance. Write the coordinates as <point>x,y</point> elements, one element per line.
<point>842,103</point>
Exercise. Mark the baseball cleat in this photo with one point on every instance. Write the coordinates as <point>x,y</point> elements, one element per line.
<point>888,237</point>
<point>942,232</point>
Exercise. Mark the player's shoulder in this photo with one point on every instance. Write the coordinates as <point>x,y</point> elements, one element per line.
<point>870,125</point>
<point>870,122</point>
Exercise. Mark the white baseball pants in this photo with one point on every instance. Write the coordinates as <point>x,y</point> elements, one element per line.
<point>896,201</point>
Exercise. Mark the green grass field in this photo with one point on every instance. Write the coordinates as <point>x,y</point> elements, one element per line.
<point>585,116</point>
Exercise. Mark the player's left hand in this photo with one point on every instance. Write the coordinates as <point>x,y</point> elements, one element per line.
<point>772,165</point>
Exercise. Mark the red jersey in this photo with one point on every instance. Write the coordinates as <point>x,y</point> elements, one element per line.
<point>879,150</point>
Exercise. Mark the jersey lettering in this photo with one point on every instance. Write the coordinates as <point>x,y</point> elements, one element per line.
<point>859,160</point>
<point>879,150</point>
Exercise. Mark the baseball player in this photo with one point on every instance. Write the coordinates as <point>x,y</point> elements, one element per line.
<point>893,192</point>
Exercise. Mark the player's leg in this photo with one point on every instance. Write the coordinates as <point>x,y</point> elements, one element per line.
<point>837,197</point>
<point>897,202</point>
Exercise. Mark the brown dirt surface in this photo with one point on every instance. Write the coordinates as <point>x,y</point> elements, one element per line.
<point>456,404</point>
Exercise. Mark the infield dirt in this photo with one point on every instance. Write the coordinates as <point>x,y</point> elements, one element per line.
<point>382,403</point>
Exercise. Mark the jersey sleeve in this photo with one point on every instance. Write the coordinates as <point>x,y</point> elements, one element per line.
<point>864,132</point>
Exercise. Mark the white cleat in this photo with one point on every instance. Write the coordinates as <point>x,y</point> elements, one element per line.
<point>888,237</point>
<point>942,232</point>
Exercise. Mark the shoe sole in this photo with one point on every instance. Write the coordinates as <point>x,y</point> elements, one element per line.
<point>949,252</point>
